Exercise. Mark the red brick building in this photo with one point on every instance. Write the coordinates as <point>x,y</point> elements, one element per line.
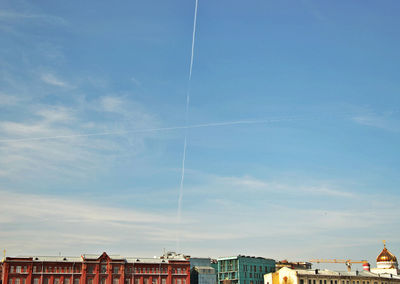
<point>94,269</point>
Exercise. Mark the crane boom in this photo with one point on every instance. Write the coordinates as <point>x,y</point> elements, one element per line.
<point>348,262</point>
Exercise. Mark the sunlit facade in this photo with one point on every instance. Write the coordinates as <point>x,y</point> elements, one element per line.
<point>95,269</point>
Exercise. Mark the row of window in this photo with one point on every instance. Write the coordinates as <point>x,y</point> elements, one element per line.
<point>103,280</point>
<point>254,282</point>
<point>231,265</point>
<point>55,269</point>
<point>91,269</point>
<point>233,275</point>
<point>254,268</point>
<point>255,275</point>
<point>325,281</point>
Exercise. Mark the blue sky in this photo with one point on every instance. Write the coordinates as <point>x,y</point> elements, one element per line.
<point>315,175</point>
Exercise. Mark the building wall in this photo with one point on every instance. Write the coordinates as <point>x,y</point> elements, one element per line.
<point>244,270</point>
<point>202,272</point>
<point>98,271</point>
<point>290,276</point>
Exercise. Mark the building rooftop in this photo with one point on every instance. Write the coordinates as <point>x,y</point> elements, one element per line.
<point>243,256</point>
<point>327,272</point>
<point>163,259</point>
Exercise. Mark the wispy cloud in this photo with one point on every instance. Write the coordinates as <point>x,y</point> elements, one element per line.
<point>385,121</point>
<point>136,81</point>
<point>249,183</point>
<point>76,156</point>
<point>8,100</point>
<point>56,218</point>
<point>51,79</point>
<point>18,16</point>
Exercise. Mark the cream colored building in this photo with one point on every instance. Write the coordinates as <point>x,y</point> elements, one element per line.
<point>300,276</point>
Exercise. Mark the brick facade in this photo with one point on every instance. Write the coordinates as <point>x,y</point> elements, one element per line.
<point>89,269</point>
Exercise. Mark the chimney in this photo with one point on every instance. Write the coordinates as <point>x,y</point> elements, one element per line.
<point>366,266</point>
<point>316,271</point>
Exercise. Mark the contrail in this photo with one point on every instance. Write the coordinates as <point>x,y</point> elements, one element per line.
<point>193,38</point>
<point>186,122</point>
<point>202,125</point>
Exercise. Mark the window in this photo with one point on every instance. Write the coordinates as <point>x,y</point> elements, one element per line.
<point>127,281</point>
<point>137,280</point>
<point>146,281</point>
<point>45,280</point>
<point>103,280</point>
<point>18,269</point>
<point>163,281</point>
<point>309,281</point>
<point>76,280</point>
<point>10,281</point>
<point>183,281</point>
<point>25,269</point>
<point>178,281</point>
<point>90,269</point>
<point>179,271</point>
<point>17,281</point>
<point>154,280</point>
<point>35,280</point>
<point>23,281</point>
<point>56,281</point>
<point>67,280</point>
<point>115,280</point>
<point>301,281</point>
<point>89,281</point>
<point>115,269</point>
<point>103,268</point>
<point>313,281</point>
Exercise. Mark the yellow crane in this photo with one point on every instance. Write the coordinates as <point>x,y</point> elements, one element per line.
<point>348,262</point>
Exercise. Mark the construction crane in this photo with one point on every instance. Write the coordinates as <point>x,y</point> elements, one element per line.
<point>348,262</point>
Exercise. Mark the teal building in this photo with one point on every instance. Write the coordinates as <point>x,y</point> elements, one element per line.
<point>244,269</point>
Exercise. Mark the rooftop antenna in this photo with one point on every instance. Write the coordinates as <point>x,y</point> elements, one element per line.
<point>384,243</point>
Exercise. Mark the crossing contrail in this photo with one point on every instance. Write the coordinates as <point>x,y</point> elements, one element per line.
<point>186,122</point>
<point>122,132</point>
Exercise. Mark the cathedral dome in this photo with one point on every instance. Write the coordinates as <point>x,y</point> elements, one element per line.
<point>386,259</point>
<point>386,256</point>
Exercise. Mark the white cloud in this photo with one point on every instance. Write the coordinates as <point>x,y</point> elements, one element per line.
<point>51,79</point>
<point>18,16</point>
<point>136,82</point>
<point>250,184</point>
<point>112,104</point>
<point>7,100</point>
<point>385,122</point>
<point>69,154</point>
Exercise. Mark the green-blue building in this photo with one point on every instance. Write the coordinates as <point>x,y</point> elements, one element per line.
<point>244,269</point>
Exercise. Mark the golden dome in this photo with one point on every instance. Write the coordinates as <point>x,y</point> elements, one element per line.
<point>386,256</point>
